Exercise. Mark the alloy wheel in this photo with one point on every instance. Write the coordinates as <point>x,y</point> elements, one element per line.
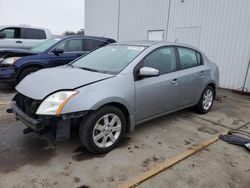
<point>207,99</point>
<point>107,130</point>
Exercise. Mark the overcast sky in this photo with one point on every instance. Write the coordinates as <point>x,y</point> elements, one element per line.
<point>56,15</point>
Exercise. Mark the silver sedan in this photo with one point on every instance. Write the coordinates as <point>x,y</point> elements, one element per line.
<point>110,90</point>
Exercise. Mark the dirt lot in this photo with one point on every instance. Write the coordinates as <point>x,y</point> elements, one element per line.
<point>27,161</point>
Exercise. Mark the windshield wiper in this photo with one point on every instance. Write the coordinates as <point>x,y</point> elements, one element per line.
<point>88,69</point>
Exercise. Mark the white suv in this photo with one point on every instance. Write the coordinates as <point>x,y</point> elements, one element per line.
<point>22,37</point>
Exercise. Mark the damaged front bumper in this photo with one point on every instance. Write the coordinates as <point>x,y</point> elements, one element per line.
<point>56,128</point>
<point>38,125</point>
<point>7,75</point>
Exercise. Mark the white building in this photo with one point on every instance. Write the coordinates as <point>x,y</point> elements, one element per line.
<point>220,28</point>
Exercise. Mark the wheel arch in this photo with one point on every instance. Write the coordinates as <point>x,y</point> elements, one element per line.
<point>125,109</point>
<point>36,65</point>
<point>213,85</point>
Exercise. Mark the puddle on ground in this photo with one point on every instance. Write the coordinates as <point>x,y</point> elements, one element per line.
<point>149,162</point>
<point>17,150</point>
<point>82,154</point>
<point>207,130</point>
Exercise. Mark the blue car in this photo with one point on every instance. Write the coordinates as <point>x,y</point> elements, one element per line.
<point>16,64</point>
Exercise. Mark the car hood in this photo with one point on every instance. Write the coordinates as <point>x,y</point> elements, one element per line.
<point>11,52</point>
<point>14,50</point>
<point>40,84</point>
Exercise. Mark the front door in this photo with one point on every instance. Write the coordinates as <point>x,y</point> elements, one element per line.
<point>72,49</point>
<point>158,95</point>
<point>12,38</point>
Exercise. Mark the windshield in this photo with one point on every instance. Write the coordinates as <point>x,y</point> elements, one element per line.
<point>109,59</point>
<point>45,45</point>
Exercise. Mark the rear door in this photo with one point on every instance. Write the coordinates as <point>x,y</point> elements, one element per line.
<point>32,37</point>
<point>158,95</point>
<point>193,75</point>
<point>13,38</point>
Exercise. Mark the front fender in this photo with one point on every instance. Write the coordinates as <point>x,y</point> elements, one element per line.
<point>118,89</point>
<point>112,100</point>
<point>22,65</point>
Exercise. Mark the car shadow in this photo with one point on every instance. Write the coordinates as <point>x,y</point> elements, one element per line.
<point>6,89</point>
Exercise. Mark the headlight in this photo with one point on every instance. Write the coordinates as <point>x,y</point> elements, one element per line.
<point>10,60</point>
<point>53,104</point>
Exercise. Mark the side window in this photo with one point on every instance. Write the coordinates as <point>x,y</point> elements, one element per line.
<point>73,45</point>
<point>12,33</point>
<point>34,34</point>
<point>189,58</point>
<point>91,44</point>
<point>162,59</point>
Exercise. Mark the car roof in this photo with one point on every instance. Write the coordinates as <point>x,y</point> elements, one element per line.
<point>138,43</point>
<point>23,26</point>
<point>86,37</point>
<point>152,43</point>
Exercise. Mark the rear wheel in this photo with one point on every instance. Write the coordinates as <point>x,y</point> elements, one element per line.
<point>206,100</point>
<point>102,130</point>
<point>26,72</point>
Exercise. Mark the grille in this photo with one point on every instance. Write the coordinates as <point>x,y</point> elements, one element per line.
<point>27,105</point>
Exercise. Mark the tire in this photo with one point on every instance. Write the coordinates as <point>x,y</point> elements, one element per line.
<point>203,107</point>
<point>26,72</point>
<point>94,126</point>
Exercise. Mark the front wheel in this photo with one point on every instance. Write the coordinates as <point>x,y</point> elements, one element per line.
<point>206,100</point>
<point>102,130</point>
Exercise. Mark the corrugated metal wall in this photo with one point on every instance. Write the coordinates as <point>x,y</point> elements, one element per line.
<point>220,28</point>
<point>224,35</point>
<point>139,16</point>
<point>101,18</point>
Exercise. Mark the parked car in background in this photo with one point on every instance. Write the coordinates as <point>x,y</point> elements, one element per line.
<point>110,90</point>
<point>50,53</point>
<point>22,37</point>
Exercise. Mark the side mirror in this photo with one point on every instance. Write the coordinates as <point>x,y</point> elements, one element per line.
<point>148,72</point>
<point>57,51</point>
<point>2,35</point>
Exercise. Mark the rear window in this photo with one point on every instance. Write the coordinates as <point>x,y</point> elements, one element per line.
<point>91,44</point>
<point>71,45</point>
<point>34,34</point>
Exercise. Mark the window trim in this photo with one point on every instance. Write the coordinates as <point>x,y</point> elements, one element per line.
<point>50,52</point>
<point>196,52</point>
<point>140,64</point>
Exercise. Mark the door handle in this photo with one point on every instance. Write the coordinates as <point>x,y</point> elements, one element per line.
<point>175,81</point>
<point>202,73</point>
<point>18,41</point>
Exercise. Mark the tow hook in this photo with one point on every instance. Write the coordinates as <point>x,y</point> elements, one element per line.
<point>9,111</point>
